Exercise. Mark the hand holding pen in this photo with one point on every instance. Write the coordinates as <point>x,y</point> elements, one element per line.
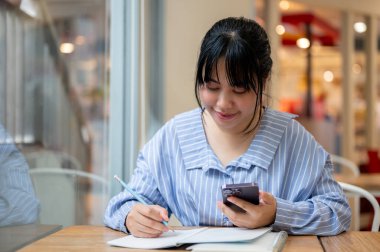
<point>145,220</point>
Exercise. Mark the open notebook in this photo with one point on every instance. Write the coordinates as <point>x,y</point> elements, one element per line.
<point>268,242</point>
<point>199,235</point>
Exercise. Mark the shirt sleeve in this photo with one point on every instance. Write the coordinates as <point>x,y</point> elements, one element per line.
<point>18,203</point>
<point>318,206</point>
<point>143,182</point>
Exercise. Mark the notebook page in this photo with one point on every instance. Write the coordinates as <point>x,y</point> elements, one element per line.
<point>269,242</point>
<point>166,240</point>
<point>226,235</point>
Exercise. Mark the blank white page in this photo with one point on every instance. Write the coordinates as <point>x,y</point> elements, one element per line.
<point>269,242</point>
<point>225,235</point>
<point>166,240</point>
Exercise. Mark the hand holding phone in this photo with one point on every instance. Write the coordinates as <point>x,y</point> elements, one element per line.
<point>245,191</point>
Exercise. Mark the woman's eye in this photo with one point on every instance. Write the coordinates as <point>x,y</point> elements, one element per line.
<point>240,90</point>
<point>212,87</point>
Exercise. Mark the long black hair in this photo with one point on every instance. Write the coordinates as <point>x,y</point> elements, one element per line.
<point>245,47</point>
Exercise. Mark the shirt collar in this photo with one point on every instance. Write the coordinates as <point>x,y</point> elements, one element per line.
<point>192,139</point>
<point>197,153</point>
<point>267,140</point>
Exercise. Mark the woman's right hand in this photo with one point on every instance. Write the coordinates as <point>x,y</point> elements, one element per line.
<point>146,220</point>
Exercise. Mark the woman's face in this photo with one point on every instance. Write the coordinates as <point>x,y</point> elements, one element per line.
<point>231,108</point>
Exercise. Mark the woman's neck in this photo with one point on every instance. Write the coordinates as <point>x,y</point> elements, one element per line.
<point>227,144</point>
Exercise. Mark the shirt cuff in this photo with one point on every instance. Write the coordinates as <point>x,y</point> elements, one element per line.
<point>284,215</point>
<point>123,213</point>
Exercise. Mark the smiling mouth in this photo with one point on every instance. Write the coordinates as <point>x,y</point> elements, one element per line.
<point>224,116</point>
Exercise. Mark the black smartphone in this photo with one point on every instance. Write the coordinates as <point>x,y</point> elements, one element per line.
<point>245,191</point>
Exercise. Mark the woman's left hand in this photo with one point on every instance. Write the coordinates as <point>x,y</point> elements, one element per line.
<point>255,216</point>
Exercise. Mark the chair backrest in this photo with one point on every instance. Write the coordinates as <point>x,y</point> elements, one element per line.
<point>64,195</point>
<point>49,158</point>
<point>341,165</point>
<point>345,163</point>
<point>364,193</point>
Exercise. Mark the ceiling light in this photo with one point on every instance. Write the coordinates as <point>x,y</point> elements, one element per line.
<point>280,29</point>
<point>303,43</point>
<point>360,27</point>
<point>66,48</point>
<point>328,76</point>
<point>284,5</point>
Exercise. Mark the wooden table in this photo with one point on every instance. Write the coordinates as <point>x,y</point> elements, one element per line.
<point>368,181</point>
<point>309,243</point>
<point>94,238</point>
<point>15,237</point>
<point>352,241</point>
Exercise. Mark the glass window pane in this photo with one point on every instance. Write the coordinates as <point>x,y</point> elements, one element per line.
<point>54,99</point>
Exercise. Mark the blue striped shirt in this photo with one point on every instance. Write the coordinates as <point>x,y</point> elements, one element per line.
<point>178,170</point>
<point>18,203</point>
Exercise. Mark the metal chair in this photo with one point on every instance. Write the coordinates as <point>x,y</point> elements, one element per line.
<point>345,163</point>
<point>364,193</point>
<point>49,158</point>
<point>66,195</point>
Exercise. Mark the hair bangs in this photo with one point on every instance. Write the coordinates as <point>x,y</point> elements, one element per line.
<point>240,66</point>
<point>239,62</point>
<point>208,63</point>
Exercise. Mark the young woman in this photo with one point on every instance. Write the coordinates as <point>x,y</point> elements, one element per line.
<point>232,138</point>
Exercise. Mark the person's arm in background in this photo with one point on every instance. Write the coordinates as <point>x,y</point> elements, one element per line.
<point>18,203</point>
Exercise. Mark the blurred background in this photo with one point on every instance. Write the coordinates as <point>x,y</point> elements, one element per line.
<point>84,84</point>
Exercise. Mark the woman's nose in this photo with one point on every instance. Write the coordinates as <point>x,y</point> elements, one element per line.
<point>224,100</point>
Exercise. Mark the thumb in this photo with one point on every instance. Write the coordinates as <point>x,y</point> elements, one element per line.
<point>164,215</point>
<point>163,212</point>
<point>266,198</point>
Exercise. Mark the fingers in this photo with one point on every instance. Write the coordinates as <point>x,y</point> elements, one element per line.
<point>235,217</point>
<point>225,209</point>
<point>151,223</point>
<point>267,198</point>
<point>140,230</point>
<point>245,205</point>
<point>163,213</point>
<point>255,215</point>
<point>146,221</point>
<point>154,212</point>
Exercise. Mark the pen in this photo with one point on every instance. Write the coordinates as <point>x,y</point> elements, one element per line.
<point>136,195</point>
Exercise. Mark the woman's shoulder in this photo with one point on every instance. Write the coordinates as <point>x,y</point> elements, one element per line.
<point>286,123</point>
<point>293,129</point>
<point>188,115</point>
<point>183,123</point>
<point>296,136</point>
<point>188,119</point>
<point>274,120</point>
<point>279,115</point>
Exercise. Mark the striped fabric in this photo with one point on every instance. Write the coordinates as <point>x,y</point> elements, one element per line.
<point>178,170</point>
<point>18,203</point>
